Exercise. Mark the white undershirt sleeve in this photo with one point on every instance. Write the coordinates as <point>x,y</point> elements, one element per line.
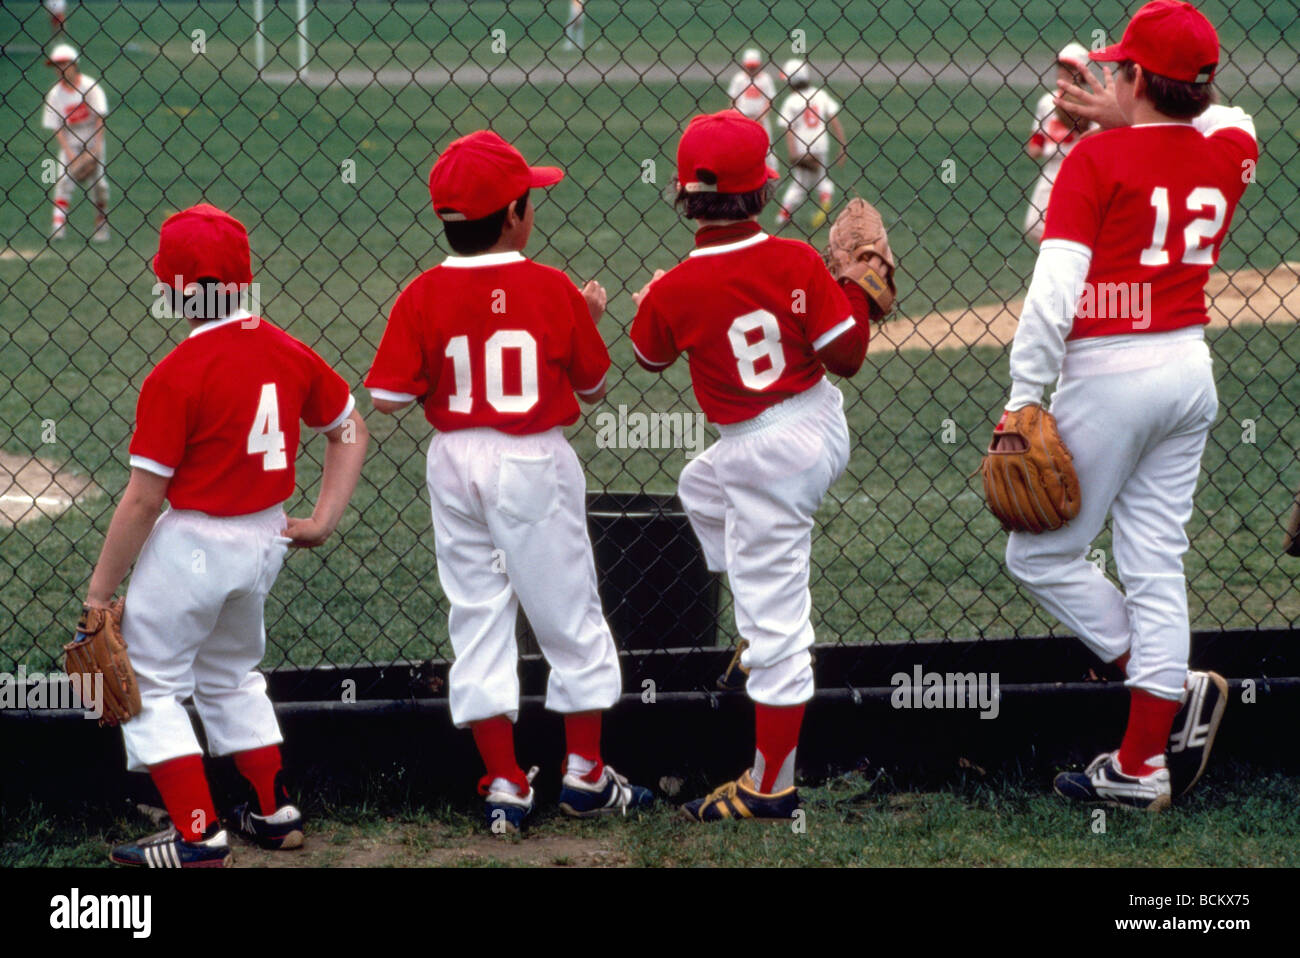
<point>1046,319</point>
<point>1219,117</point>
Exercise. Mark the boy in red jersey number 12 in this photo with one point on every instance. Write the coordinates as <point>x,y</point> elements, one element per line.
<point>1115,317</point>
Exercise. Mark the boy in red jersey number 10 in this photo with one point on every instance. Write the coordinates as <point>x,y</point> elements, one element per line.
<point>494,346</point>
<point>1115,317</point>
<point>216,435</point>
<point>761,320</point>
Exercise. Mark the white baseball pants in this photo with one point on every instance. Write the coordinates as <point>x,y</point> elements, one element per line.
<point>1036,214</point>
<point>65,187</point>
<point>510,530</point>
<point>804,182</point>
<point>1135,413</point>
<point>750,498</point>
<point>194,626</point>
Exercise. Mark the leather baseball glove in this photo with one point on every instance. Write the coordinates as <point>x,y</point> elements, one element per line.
<point>1029,478</point>
<point>858,250</point>
<point>84,166</point>
<point>98,649</point>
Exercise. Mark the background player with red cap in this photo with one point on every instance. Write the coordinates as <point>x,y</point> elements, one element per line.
<point>761,320</point>
<point>1055,131</point>
<point>216,436</point>
<point>494,346</point>
<point>1143,206</point>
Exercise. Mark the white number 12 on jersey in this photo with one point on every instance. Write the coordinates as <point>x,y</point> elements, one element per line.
<point>265,438</point>
<point>1198,235</point>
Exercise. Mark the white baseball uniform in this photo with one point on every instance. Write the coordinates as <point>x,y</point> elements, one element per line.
<point>77,111</point>
<point>1137,218</point>
<point>507,491</point>
<point>1055,139</point>
<point>807,114</point>
<point>753,96</point>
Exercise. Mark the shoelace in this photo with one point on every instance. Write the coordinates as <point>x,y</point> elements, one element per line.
<point>622,789</point>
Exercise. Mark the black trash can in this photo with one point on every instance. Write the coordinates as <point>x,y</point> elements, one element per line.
<point>656,590</point>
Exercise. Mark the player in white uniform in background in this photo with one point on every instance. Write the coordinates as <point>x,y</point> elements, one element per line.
<point>75,109</point>
<point>573,27</point>
<point>808,118</point>
<point>1054,133</point>
<point>752,93</point>
<point>58,11</point>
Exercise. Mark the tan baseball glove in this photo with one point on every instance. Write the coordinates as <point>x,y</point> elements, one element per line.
<point>858,250</point>
<point>98,649</point>
<point>84,166</point>
<point>1029,478</point>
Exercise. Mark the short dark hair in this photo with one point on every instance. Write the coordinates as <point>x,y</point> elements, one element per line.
<point>722,206</point>
<point>1174,98</point>
<point>471,237</point>
<point>212,300</point>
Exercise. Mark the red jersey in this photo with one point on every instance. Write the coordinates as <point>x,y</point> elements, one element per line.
<point>493,341</point>
<point>1152,203</point>
<point>750,315</point>
<point>219,415</point>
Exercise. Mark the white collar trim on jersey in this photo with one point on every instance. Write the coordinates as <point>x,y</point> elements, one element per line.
<point>1139,126</point>
<point>728,247</point>
<point>484,259</point>
<point>238,316</point>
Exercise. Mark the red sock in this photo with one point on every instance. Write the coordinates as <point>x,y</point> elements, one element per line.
<point>582,738</point>
<point>495,738</point>
<point>1150,720</point>
<point>1121,663</point>
<point>184,790</point>
<point>776,734</point>
<point>260,766</point>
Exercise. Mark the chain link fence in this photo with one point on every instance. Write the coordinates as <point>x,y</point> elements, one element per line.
<point>316,124</point>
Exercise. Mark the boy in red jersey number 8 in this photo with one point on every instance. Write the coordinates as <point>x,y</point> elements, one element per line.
<point>1115,316</point>
<point>216,436</point>
<point>761,320</point>
<point>494,346</point>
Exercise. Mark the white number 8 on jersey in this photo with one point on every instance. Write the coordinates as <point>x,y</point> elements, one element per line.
<point>748,354</point>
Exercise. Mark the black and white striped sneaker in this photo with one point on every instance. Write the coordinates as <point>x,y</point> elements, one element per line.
<point>1195,726</point>
<point>1102,781</point>
<point>168,850</point>
<point>279,831</point>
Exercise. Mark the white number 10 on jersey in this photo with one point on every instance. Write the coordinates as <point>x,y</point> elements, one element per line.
<point>462,400</point>
<point>265,438</point>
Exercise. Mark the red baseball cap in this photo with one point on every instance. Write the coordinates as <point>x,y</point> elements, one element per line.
<point>1169,38</point>
<point>202,241</point>
<point>481,173</point>
<point>730,146</point>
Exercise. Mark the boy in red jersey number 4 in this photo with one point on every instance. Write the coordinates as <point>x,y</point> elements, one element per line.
<point>494,347</point>
<point>761,321</point>
<point>216,436</point>
<point>1115,316</point>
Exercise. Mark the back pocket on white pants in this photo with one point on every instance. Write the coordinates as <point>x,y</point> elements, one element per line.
<point>527,487</point>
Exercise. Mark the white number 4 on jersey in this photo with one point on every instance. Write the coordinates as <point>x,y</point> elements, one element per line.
<point>265,438</point>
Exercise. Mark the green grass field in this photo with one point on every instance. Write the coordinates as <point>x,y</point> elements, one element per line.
<point>1247,819</point>
<point>905,549</point>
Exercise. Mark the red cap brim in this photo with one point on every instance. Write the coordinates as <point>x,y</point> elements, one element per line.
<point>1111,54</point>
<point>544,175</point>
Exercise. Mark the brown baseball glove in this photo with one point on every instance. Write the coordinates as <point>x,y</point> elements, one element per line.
<point>858,250</point>
<point>1029,478</point>
<point>98,649</point>
<point>84,166</point>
